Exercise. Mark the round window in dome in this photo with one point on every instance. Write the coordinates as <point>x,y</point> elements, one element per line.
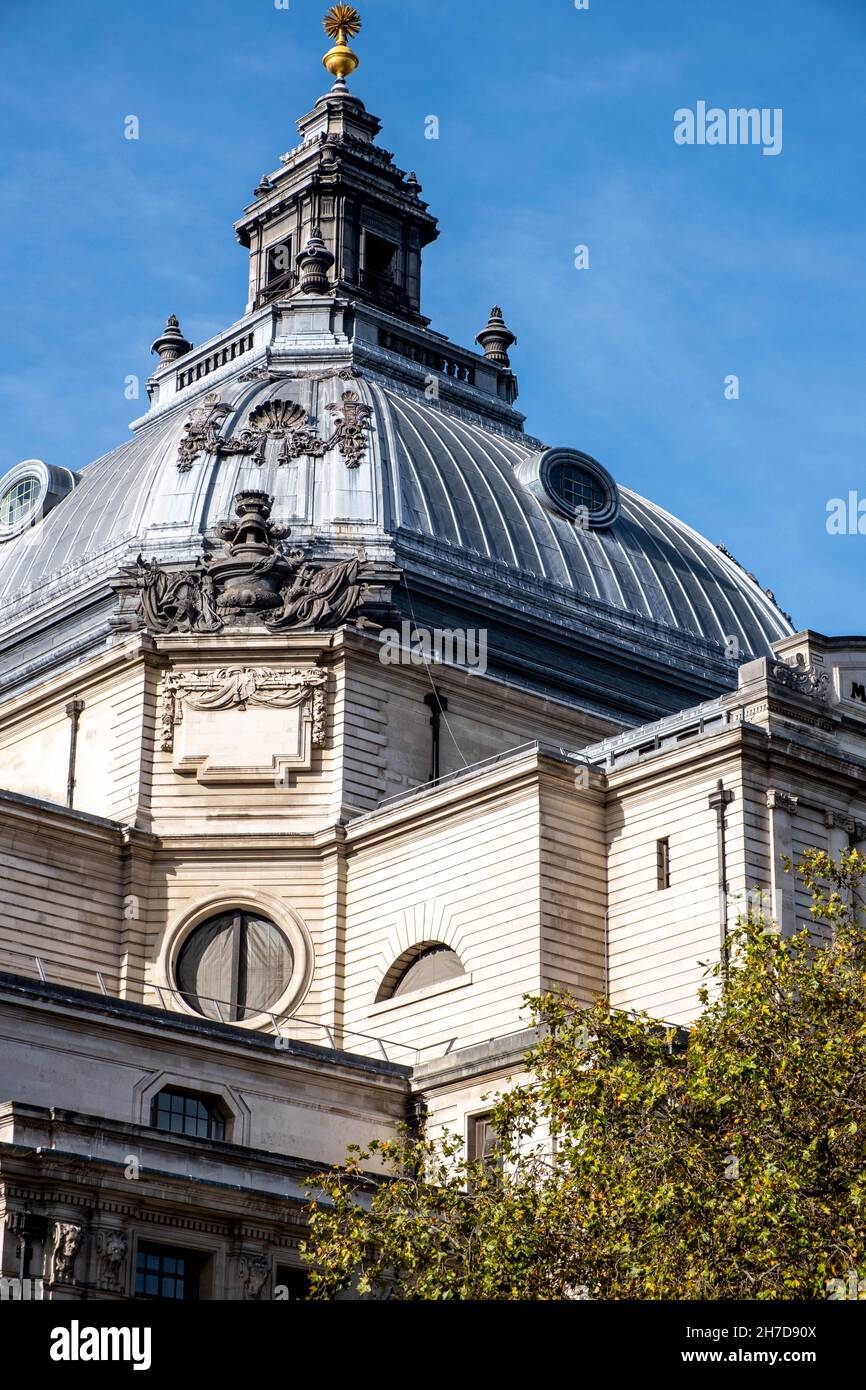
<point>576,487</point>
<point>27,494</point>
<point>573,484</point>
<point>234,966</point>
<point>19,500</point>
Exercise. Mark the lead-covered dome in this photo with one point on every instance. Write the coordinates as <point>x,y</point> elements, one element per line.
<point>351,460</point>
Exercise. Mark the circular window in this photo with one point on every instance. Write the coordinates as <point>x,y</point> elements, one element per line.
<point>575,487</point>
<point>234,967</point>
<point>19,500</point>
<point>573,484</point>
<point>27,494</point>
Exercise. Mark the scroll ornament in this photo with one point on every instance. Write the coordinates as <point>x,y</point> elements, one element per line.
<point>802,678</point>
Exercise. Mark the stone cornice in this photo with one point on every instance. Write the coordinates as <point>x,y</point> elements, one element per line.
<point>142,1019</point>
<point>138,648</point>
<point>473,788</point>
<point>40,818</point>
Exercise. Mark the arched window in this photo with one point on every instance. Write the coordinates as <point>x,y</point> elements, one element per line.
<point>234,966</point>
<point>421,968</point>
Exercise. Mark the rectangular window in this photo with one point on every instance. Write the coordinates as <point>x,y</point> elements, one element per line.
<point>167,1272</point>
<point>279,261</point>
<point>663,863</point>
<point>182,1112</point>
<point>482,1142</point>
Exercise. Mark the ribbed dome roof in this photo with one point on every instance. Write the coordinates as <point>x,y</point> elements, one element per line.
<point>428,470</point>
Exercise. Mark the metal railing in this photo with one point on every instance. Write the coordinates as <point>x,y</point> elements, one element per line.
<point>174,1001</point>
<point>426,788</point>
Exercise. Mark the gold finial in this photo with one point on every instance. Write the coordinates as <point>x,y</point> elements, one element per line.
<point>342,22</point>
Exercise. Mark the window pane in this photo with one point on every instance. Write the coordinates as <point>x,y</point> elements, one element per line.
<point>266,966</point>
<point>433,966</point>
<point>178,1112</point>
<point>175,1276</point>
<point>578,488</point>
<point>204,967</point>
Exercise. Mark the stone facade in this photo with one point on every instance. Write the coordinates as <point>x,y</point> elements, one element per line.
<point>275,878</point>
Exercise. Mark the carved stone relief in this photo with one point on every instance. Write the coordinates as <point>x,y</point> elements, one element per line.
<point>112,1248</point>
<point>252,580</point>
<point>803,679</point>
<point>280,419</point>
<point>352,418</point>
<point>254,1274</point>
<point>240,687</point>
<point>67,1243</point>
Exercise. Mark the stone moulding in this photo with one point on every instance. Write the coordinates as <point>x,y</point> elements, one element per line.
<point>241,687</point>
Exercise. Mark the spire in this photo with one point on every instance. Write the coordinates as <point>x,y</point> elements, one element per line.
<point>338,218</point>
<point>342,22</point>
<point>171,344</point>
<point>495,338</point>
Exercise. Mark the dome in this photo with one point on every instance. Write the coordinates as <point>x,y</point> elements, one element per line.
<point>428,477</point>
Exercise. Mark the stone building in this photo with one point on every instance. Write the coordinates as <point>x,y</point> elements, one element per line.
<point>337,713</point>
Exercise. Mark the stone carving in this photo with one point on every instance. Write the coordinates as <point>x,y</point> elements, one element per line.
<point>782,801</point>
<point>279,419</point>
<point>241,686</point>
<point>67,1243</point>
<point>200,433</point>
<point>314,263</point>
<point>803,679</point>
<point>254,1271</point>
<point>258,374</point>
<point>283,420</point>
<point>352,418</point>
<point>855,829</point>
<point>252,580</point>
<point>112,1248</point>
<point>176,602</point>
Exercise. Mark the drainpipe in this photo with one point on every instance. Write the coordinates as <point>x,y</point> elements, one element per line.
<point>438,705</point>
<point>73,710</point>
<point>719,801</point>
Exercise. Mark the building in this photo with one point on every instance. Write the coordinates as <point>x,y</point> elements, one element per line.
<point>337,713</point>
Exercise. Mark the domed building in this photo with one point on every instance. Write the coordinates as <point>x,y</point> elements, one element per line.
<point>337,713</point>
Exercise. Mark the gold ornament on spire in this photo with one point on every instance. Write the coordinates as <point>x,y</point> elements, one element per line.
<point>342,22</point>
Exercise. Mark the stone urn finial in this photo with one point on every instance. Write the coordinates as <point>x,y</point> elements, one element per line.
<point>314,262</point>
<point>496,338</point>
<point>171,344</point>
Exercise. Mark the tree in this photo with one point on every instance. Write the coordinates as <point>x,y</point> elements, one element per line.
<point>639,1163</point>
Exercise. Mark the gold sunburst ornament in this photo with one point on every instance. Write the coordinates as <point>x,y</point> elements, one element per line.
<point>342,22</point>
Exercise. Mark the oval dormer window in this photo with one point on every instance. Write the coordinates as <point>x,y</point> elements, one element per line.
<point>573,484</point>
<point>20,500</point>
<point>27,494</point>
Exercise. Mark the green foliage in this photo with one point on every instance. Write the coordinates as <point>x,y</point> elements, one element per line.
<point>633,1167</point>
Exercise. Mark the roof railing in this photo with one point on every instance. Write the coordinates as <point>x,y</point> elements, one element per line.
<point>31,966</point>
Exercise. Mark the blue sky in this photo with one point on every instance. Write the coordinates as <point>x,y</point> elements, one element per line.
<point>556,130</point>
